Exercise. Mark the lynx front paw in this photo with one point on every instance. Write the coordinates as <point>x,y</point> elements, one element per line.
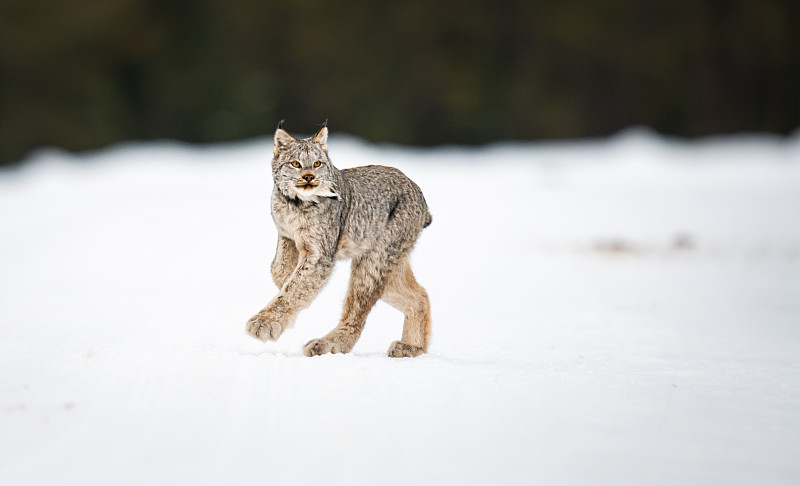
<point>316,347</point>
<point>262,326</point>
<point>402,350</point>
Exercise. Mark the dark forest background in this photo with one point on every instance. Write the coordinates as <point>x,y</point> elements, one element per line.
<point>81,74</point>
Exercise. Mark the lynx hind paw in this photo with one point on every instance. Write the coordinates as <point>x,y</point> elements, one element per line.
<point>402,350</point>
<point>260,327</point>
<point>316,347</point>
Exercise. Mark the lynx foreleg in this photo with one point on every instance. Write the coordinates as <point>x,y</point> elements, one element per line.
<point>286,257</point>
<point>296,294</point>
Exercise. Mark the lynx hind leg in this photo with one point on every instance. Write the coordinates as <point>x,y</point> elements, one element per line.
<point>405,294</point>
<point>368,275</point>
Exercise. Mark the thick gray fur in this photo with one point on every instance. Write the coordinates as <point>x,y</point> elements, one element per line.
<point>372,215</point>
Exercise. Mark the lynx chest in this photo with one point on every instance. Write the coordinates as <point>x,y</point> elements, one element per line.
<point>309,226</point>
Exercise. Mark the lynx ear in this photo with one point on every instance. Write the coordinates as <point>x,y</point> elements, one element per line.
<point>282,138</point>
<point>322,136</point>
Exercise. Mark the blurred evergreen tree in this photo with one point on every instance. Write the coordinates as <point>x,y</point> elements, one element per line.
<point>81,74</point>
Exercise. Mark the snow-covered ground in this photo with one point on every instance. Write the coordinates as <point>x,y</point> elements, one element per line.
<point>622,312</point>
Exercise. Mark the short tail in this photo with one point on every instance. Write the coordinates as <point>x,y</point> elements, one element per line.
<point>428,220</point>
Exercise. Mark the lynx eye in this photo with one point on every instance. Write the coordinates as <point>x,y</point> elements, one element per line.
<point>317,164</point>
<point>296,164</point>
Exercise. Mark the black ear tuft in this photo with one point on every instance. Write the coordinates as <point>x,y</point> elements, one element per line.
<point>324,124</point>
<point>280,124</point>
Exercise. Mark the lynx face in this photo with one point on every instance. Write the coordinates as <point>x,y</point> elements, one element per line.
<point>301,168</point>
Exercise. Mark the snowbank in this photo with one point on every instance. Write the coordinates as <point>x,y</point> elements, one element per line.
<point>621,311</point>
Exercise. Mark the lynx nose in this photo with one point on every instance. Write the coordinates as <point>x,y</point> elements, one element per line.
<point>308,177</point>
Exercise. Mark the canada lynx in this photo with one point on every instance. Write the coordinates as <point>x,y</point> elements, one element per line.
<point>371,214</point>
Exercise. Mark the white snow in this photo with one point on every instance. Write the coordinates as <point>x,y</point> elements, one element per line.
<point>622,311</point>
